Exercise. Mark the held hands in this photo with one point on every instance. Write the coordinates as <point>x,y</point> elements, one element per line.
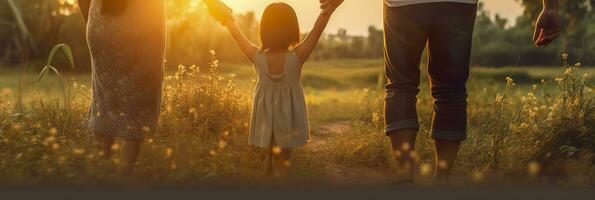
<point>547,28</point>
<point>220,11</point>
<point>329,6</point>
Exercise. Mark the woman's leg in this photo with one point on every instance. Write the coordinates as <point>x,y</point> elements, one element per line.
<point>103,143</point>
<point>130,151</point>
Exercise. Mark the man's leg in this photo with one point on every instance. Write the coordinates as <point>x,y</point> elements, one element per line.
<point>405,39</point>
<point>446,154</point>
<point>403,143</point>
<point>450,49</point>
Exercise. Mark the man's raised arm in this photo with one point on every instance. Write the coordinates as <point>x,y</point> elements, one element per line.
<point>328,4</point>
<point>547,28</point>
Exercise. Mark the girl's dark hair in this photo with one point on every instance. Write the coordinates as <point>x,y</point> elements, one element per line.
<point>279,27</point>
<point>113,7</point>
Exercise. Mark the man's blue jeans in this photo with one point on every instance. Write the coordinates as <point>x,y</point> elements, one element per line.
<point>447,29</point>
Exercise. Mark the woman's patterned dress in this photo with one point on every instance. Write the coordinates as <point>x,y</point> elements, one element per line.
<point>127,51</point>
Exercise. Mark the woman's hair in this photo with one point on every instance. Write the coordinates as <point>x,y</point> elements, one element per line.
<point>279,27</point>
<point>113,7</point>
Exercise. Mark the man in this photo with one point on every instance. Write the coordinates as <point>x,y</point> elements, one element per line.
<point>446,26</point>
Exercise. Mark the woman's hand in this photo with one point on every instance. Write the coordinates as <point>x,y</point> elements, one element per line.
<point>329,6</point>
<point>220,11</point>
<point>224,14</point>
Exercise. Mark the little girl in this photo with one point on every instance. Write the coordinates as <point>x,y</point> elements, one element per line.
<point>279,117</point>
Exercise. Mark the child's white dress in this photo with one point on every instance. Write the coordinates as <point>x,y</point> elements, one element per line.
<point>279,111</point>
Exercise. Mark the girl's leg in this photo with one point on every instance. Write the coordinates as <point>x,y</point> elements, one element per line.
<point>281,162</point>
<point>268,162</point>
<point>103,143</point>
<point>130,151</point>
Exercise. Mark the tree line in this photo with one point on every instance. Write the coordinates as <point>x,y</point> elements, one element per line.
<point>30,28</point>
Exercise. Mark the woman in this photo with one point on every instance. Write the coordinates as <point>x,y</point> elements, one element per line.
<point>127,43</point>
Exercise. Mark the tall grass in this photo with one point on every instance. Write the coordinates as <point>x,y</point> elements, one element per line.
<point>515,134</point>
<point>49,68</point>
<point>202,136</point>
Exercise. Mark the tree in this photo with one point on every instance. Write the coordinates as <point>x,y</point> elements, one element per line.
<point>342,34</point>
<point>375,42</point>
<point>500,21</point>
<point>32,27</point>
<point>357,46</point>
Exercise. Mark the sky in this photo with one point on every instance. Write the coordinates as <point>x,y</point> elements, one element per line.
<point>357,15</point>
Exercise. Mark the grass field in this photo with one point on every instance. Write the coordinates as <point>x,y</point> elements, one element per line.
<point>536,126</point>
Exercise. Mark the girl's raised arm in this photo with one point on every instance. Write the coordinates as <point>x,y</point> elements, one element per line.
<point>248,48</point>
<point>85,5</point>
<point>305,49</point>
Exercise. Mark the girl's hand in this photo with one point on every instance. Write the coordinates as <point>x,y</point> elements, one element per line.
<point>329,6</point>
<point>220,11</point>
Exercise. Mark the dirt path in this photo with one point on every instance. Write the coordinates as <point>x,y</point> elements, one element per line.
<point>337,173</point>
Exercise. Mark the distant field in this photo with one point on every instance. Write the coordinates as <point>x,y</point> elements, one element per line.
<point>332,74</point>
<point>332,80</point>
<point>327,81</point>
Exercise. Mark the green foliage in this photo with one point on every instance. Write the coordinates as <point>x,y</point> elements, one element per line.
<point>342,46</point>
<point>67,52</point>
<point>33,27</point>
<point>20,23</point>
<point>192,34</point>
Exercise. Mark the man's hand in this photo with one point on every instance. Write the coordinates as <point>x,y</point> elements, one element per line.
<point>329,6</point>
<point>547,28</point>
<point>219,11</point>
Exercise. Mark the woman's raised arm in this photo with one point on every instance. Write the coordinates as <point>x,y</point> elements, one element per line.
<point>223,14</point>
<point>85,5</point>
